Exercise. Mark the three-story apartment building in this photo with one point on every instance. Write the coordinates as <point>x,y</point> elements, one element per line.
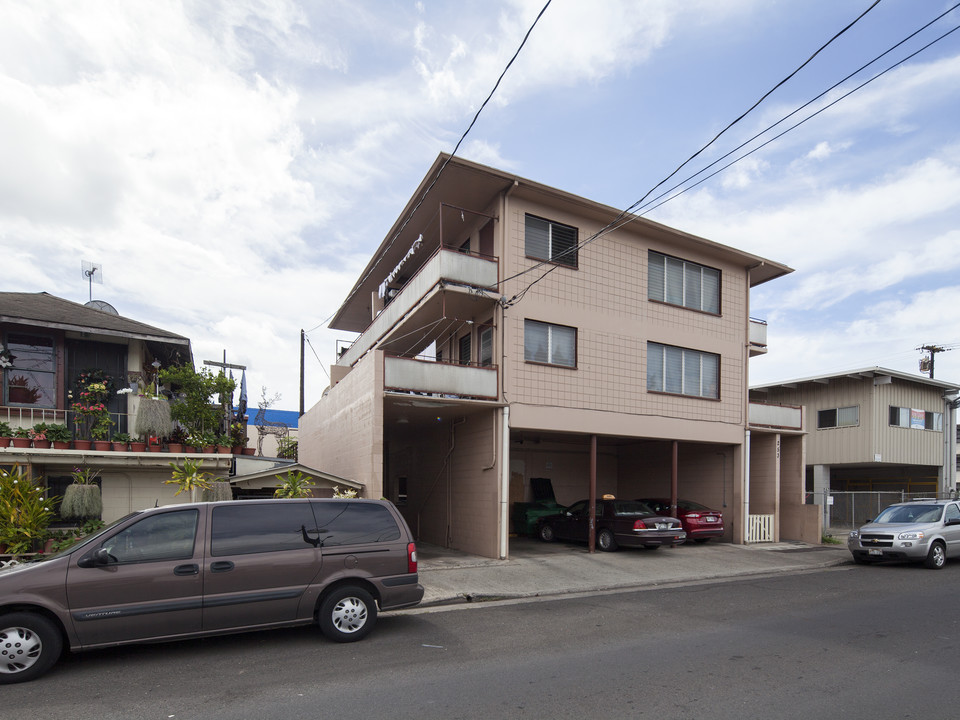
<point>509,331</point>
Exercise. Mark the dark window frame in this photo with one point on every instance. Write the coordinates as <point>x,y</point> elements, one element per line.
<point>660,289</point>
<point>567,255</point>
<point>530,354</point>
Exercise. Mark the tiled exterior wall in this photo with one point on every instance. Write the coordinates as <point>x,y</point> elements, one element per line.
<point>605,299</point>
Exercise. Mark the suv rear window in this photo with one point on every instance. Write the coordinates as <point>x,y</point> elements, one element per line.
<point>256,528</point>
<point>354,523</point>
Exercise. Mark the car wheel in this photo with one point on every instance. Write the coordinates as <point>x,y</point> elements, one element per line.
<point>546,533</point>
<point>937,557</point>
<point>29,646</point>
<point>348,614</point>
<point>606,541</point>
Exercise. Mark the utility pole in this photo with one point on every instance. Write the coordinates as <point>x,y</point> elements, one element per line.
<point>926,363</point>
<point>303,337</point>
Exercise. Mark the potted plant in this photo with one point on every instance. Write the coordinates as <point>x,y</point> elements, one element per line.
<point>21,437</point>
<point>222,443</point>
<point>100,432</point>
<point>90,414</point>
<point>59,435</point>
<point>202,441</point>
<point>82,499</point>
<point>38,435</point>
<point>6,432</point>
<point>238,438</point>
<point>177,440</point>
<point>25,513</point>
<point>120,441</point>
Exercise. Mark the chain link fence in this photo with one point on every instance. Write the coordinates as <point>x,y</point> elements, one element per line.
<point>851,509</point>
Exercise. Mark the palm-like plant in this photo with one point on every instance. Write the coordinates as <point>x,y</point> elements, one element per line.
<point>294,485</point>
<point>189,477</point>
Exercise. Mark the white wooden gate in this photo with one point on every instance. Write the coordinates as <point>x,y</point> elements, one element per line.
<point>759,528</point>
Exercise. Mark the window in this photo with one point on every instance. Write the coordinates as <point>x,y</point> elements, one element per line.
<point>465,349</point>
<point>486,345</point>
<point>257,528</point>
<point>546,240</point>
<point>549,344</point>
<point>680,371</point>
<point>916,419</point>
<point>679,282</point>
<point>354,523</point>
<point>30,380</point>
<point>838,417</point>
<point>167,536</point>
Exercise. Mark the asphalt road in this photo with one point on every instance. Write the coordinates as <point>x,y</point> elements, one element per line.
<point>849,642</point>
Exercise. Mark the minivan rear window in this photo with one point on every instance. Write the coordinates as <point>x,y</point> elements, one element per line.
<point>354,523</point>
<point>257,528</point>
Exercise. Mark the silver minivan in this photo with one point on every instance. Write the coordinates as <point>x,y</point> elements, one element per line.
<point>191,570</point>
<point>925,531</point>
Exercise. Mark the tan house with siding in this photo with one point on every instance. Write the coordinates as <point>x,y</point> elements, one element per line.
<point>873,429</point>
<point>508,331</point>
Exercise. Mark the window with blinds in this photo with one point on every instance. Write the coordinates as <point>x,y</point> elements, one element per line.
<point>547,240</point>
<point>679,282</point>
<point>681,371</point>
<point>549,344</point>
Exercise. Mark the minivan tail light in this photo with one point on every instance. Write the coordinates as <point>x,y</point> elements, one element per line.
<point>411,557</point>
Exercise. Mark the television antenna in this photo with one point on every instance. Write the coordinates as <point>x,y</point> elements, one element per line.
<point>93,273</point>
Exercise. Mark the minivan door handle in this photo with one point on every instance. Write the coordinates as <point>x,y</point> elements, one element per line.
<point>186,570</point>
<point>221,566</point>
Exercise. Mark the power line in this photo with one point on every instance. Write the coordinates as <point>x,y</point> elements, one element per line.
<point>625,217</point>
<point>436,178</point>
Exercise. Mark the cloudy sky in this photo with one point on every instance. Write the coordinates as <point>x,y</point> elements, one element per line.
<point>232,164</point>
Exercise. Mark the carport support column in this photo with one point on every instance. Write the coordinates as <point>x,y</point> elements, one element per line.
<point>674,478</point>
<point>505,484</point>
<point>592,532</point>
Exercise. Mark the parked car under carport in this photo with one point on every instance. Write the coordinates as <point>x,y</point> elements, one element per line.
<point>626,523</point>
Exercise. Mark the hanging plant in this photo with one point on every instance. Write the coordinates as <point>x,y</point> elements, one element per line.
<point>82,499</point>
<point>153,418</point>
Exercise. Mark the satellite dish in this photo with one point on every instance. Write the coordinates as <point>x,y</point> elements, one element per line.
<point>102,305</point>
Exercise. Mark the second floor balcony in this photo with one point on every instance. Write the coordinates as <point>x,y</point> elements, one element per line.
<point>450,285</point>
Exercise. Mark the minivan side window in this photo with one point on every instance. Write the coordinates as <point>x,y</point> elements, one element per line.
<point>167,536</point>
<point>355,523</point>
<point>256,528</point>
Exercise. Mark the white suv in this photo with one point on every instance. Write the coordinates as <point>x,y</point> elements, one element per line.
<point>921,530</point>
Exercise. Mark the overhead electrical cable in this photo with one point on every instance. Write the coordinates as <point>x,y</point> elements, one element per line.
<point>628,215</point>
<point>436,178</point>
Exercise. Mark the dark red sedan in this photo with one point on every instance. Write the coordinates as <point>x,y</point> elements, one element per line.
<point>700,522</point>
<point>619,522</point>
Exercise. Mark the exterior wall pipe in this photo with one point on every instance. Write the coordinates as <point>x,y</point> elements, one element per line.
<point>674,477</point>
<point>505,484</point>
<point>745,525</point>
<point>592,531</point>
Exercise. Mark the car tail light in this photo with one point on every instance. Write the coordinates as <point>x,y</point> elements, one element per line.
<point>696,516</point>
<point>411,557</point>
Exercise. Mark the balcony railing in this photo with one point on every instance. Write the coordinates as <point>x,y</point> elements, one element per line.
<point>786,417</point>
<point>758,337</point>
<point>439,378</point>
<point>458,271</point>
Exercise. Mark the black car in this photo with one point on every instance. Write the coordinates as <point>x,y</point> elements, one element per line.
<point>619,522</point>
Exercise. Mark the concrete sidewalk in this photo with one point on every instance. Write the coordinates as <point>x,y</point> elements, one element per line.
<point>537,569</point>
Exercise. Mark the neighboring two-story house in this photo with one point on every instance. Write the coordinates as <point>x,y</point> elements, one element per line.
<point>873,430</point>
<point>51,342</point>
<point>510,331</point>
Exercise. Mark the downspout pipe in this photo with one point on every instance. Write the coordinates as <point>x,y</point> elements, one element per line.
<point>505,485</point>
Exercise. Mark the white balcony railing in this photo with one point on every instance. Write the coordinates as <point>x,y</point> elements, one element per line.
<point>787,417</point>
<point>405,374</point>
<point>758,336</point>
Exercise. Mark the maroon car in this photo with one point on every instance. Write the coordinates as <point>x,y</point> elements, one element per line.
<point>629,523</point>
<point>700,522</point>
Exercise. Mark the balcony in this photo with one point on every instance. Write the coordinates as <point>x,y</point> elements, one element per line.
<point>784,417</point>
<point>449,285</point>
<point>439,378</point>
<point>758,337</point>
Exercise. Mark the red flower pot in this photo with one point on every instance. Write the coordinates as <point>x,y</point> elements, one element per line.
<point>82,444</point>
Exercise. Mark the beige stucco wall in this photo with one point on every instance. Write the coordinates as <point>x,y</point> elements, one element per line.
<point>342,434</point>
<point>125,492</point>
